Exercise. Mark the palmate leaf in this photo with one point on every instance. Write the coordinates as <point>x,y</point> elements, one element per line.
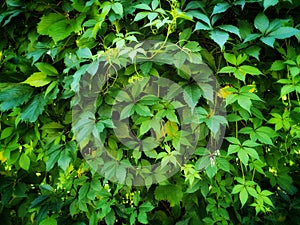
<point>14,95</point>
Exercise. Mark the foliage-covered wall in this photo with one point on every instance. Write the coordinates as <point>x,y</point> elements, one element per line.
<point>251,48</point>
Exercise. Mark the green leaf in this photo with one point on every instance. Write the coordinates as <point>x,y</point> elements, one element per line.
<point>220,8</point>
<point>37,79</point>
<point>127,111</point>
<point>34,108</point>
<point>268,3</point>
<point>48,221</point>
<point>171,193</point>
<point>233,149</point>
<point>53,154</point>
<point>211,170</point>
<point>146,207</point>
<point>230,58</point>
<point>237,189</point>
<point>47,21</point>
<point>117,8</point>
<point>253,51</point>
<point>64,159</point>
<point>245,103</point>
<point>243,156</point>
<point>185,34</point>
<point>201,26</point>
<point>231,29</point>
<point>204,18</point>
<point>84,53</point>
<point>243,196</point>
<point>233,140</point>
<point>142,110</point>
<point>261,22</point>
<point>14,95</point>
<point>249,70</point>
<point>228,69</point>
<point>252,192</point>
<point>6,132</point>
<point>143,6</point>
<point>24,162</point>
<point>220,37</point>
<point>140,16</point>
<point>46,68</point>
<point>145,127</point>
<point>268,41</point>
<point>223,164</point>
<point>278,65</point>
<point>284,32</point>
<point>286,89</point>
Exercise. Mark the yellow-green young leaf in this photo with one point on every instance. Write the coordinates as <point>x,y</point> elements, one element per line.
<point>230,58</point>
<point>250,70</point>
<point>37,79</point>
<point>243,196</point>
<point>24,162</point>
<point>49,221</point>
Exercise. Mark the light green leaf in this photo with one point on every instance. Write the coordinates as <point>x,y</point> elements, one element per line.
<point>143,6</point>
<point>171,193</point>
<point>37,79</point>
<point>145,127</point>
<point>220,8</point>
<point>24,161</point>
<point>268,3</point>
<point>230,58</point>
<point>231,29</point>
<point>278,65</point>
<point>142,110</point>
<point>48,221</point>
<point>252,192</point>
<point>140,16</point>
<point>223,164</point>
<point>261,22</point>
<point>249,70</point>
<point>228,69</point>
<point>245,103</point>
<point>237,189</point>
<point>117,8</point>
<point>47,21</point>
<point>284,32</point>
<point>220,37</point>
<point>243,196</point>
<point>201,26</point>
<point>84,53</point>
<point>243,156</point>
<point>127,111</point>
<point>268,41</point>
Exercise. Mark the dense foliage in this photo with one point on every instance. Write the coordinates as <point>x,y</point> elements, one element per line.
<point>252,49</point>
